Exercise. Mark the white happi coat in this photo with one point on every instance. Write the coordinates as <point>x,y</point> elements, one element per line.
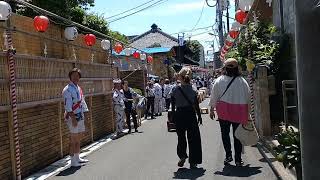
<point>157,98</point>
<point>74,101</point>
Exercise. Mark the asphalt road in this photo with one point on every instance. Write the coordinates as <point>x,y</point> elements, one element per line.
<point>151,155</point>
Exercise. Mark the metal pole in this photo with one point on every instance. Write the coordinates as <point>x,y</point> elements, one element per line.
<point>228,22</point>
<point>307,50</point>
<point>219,20</point>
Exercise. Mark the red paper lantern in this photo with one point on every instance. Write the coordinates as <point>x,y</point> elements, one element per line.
<point>118,48</point>
<point>234,34</point>
<point>90,39</point>
<point>228,43</point>
<point>41,23</point>
<point>149,59</point>
<point>136,55</point>
<point>223,51</point>
<point>241,16</point>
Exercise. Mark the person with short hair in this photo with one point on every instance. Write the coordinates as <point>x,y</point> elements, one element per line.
<point>130,111</point>
<point>230,97</point>
<point>118,105</point>
<point>75,115</point>
<point>185,107</point>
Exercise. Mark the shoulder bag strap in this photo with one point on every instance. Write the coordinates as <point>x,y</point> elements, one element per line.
<point>227,87</point>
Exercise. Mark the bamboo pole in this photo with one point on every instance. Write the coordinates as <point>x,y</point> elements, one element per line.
<point>60,128</point>
<point>90,116</point>
<point>12,149</point>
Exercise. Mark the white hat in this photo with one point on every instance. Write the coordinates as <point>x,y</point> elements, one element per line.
<point>116,81</point>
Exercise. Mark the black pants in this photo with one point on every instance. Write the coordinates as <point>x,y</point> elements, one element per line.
<point>225,131</point>
<point>131,112</point>
<point>150,104</point>
<point>186,122</point>
<point>168,101</point>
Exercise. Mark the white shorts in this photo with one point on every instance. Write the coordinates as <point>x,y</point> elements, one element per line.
<point>80,128</point>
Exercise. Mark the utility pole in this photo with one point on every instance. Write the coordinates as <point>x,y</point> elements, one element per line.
<point>228,23</point>
<point>219,21</point>
<point>307,50</point>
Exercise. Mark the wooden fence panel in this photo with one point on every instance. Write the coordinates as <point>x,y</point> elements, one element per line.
<point>5,159</point>
<point>43,133</point>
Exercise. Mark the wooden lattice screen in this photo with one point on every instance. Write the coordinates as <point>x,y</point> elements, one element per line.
<point>41,75</point>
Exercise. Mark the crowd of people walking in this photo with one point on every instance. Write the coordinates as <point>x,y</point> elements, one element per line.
<point>229,100</point>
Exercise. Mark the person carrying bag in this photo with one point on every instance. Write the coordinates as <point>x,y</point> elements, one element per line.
<point>230,97</point>
<point>187,117</point>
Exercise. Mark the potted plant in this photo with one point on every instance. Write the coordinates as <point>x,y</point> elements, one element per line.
<point>288,151</point>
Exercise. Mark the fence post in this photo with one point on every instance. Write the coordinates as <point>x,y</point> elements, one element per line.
<point>262,106</point>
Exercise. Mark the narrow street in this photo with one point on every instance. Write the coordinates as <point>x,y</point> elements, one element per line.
<point>151,155</point>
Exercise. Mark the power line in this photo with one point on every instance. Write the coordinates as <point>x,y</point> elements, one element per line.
<point>129,9</point>
<point>192,30</point>
<point>204,2</point>
<point>150,6</point>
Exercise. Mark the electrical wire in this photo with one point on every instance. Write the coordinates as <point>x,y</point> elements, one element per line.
<point>204,3</point>
<point>145,8</point>
<point>206,27</point>
<point>129,9</point>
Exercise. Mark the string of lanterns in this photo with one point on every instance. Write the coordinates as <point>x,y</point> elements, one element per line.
<point>241,18</point>
<point>41,24</point>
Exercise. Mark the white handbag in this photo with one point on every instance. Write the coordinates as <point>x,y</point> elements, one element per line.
<point>247,134</point>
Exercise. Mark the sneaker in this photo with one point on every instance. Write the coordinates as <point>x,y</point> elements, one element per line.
<point>193,166</point>
<point>83,160</point>
<point>239,163</point>
<point>228,160</point>
<point>181,162</point>
<point>75,162</point>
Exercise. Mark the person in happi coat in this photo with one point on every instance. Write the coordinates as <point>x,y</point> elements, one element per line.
<point>118,106</point>
<point>75,115</point>
<point>150,100</point>
<point>130,109</point>
<point>157,98</point>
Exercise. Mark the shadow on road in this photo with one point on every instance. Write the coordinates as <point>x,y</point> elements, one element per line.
<point>69,171</point>
<point>192,174</point>
<point>234,171</point>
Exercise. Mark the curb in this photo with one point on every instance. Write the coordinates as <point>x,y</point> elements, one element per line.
<point>277,167</point>
<point>65,163</point>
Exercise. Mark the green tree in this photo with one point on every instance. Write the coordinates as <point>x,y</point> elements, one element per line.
<point>74,10</point>
<point>193,50</point>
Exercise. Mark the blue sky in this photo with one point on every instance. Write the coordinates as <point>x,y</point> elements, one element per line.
<point>172,16</point>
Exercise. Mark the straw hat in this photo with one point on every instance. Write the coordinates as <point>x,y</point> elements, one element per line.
<point>231,63</point>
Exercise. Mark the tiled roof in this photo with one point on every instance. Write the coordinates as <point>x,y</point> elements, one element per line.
<point>155,35</point>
